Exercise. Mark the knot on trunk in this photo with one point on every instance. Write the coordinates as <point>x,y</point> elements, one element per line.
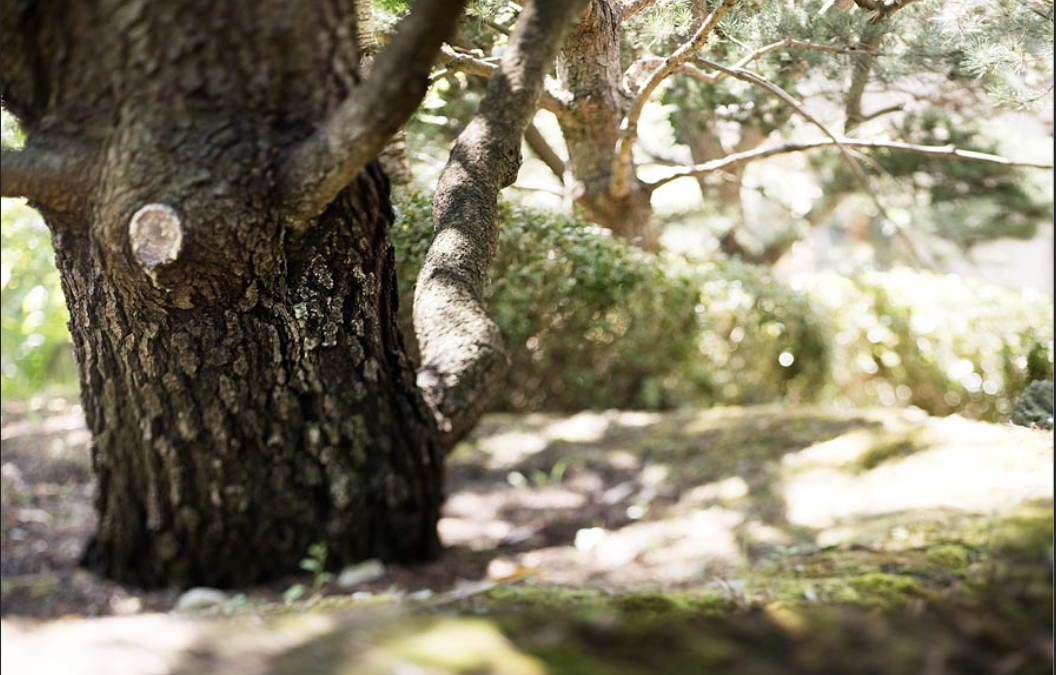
<point>156,234</point>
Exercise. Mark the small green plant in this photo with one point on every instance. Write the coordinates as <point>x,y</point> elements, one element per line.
<point>315,564</point>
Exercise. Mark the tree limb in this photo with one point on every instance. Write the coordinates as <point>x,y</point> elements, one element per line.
<point>622,164</point>
<point>485,68</point>
<point>632,7</point>
<point>56,179</point>
<point>462,354</point>
<point>736,159</point>
<point>324,163</point>
<point>465,63</point>
<point>537,144</point>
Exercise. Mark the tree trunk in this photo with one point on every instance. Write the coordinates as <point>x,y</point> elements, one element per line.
<point>232,435</point>
<point>242,375</point>
<point>589,69</point>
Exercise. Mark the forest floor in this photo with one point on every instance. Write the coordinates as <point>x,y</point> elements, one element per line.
<point>748,540</point>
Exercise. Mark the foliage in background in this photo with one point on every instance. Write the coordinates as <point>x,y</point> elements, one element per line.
<point>941,343</point>
<point>593,323</point>
<point>759,340</point>
<point>36,343</point>
<point>589,321</point>
<point>958,202</point>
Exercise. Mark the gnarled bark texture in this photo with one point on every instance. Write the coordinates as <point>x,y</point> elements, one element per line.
<point>242,375</point>
<point>589,70</point>
<point>461,349</point>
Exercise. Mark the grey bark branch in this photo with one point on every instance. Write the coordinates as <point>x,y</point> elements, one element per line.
<point>470,65</point>
<point>462,354</point>
<point>737,159</point>
<point>622,165</point>
<point>324,163</point>
<point>58,180</point>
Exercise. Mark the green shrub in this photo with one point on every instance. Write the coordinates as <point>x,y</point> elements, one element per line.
<point>937,342</point>
<point>36,350</point>
<point>589,321</point>
<point>759,341</point>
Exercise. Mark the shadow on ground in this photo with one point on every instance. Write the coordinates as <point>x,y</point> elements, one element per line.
<point>749,540</point>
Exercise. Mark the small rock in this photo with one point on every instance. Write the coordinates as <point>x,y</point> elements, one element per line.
<point>199,598</point>
<point>361,573</point>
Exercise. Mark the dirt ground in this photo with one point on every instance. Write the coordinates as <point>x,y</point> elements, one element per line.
<point>752,506</point>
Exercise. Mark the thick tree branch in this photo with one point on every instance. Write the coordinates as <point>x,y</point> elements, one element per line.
<point>622,165</point>
<point>54,179</point>
<point>740,158</point>
<point>461,349</point>
<point>324,163</point>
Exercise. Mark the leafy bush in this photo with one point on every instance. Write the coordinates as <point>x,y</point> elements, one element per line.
<point>36,343</point>
<point>937,342</point>
<point>759,341</point>
<point>589,321</point>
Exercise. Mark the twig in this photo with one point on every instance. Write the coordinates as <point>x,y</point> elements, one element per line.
<point>942,151</point>
<point>632,7</point>
<point>485,68</point>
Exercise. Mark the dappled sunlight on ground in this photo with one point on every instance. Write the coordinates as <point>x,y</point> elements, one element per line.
<point>629,499</point>
<point>959,465</point>
<point>764,511</point>
<point>606,499</point>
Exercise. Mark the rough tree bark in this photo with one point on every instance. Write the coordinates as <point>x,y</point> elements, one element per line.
<point>596,103</point>
<point>463,359</point>
<point>222,236</point>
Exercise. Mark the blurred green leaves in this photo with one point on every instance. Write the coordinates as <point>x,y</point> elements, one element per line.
<point>36,343</point>
<point>591,322</point>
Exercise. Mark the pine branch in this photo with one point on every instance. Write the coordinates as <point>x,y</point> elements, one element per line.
<point>852,163</point>
<point>882,9</point>
<point>58,179</point>
<point>485,68</point>
<point>622,167</point>
<point>788,43</point>
<point>353,135</point>
<point>632,7</point>
<point>462,354</point>
<point>740,158</point>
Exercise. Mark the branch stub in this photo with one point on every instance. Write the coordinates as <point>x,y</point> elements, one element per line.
<point>156,234</point>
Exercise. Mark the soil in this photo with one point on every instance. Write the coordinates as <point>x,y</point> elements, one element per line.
<point>712,512</point>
